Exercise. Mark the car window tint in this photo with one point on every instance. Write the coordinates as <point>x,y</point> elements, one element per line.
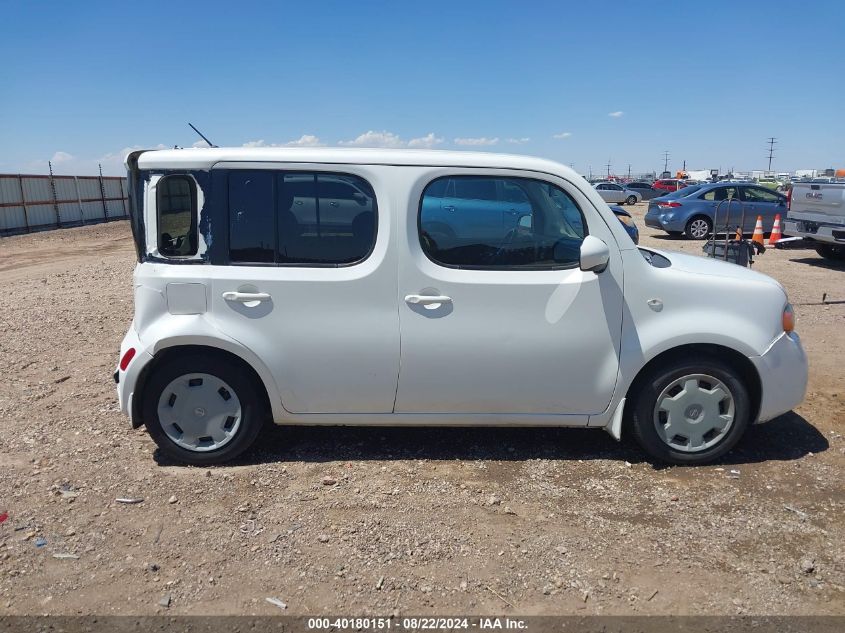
<point>251,217</point>
<point>545,230</point>
<point>324,218</point>
<point>176,202</point>
<point>475,188</point>
<point>756,194</point>
<point>720,193</point>
<point>302,218</point>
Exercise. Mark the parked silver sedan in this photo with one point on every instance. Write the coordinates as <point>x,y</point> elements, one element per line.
<point>611,192</point>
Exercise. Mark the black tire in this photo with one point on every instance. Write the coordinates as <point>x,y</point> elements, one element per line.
<point>631,200</point>
<point>831,251</point>
<point>253,407</point>
<point>693,229</point>
<point>643,400</point>
<point>675,234</point>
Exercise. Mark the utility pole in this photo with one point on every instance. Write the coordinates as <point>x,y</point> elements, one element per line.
<point>629,171</point>
<point>608,169</point>
<point>666,160</point>
<point>591,172</point>
<point>772,141</point>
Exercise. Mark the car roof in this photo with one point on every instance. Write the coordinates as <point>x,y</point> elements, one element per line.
<point>205,158</point>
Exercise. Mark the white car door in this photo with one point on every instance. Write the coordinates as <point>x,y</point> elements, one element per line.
<point>508,325</point>
<point>315,302</point>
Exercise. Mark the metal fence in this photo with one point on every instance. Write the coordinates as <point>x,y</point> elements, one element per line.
<point>36,203</point>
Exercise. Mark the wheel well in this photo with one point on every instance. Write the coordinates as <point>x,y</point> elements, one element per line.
<point>737,361</point>
<point>168,353</point>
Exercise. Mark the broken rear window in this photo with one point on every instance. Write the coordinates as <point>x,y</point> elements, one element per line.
<point>176,201</point>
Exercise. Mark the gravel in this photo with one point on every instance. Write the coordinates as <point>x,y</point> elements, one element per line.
<point>392,520</point>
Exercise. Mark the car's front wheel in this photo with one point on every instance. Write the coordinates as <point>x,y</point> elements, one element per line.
<point>631,200</point>
<point>201,410</point>
<point>690,411</point>
<point>698,228</point>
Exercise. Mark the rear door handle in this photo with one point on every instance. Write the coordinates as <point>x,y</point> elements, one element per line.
<point>246,297</point>
<point>426,300</point>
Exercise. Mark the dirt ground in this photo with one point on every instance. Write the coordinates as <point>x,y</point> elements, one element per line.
<point>380,521</point>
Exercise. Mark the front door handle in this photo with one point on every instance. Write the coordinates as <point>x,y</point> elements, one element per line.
<point>246,297</point>
<point>427,300</point>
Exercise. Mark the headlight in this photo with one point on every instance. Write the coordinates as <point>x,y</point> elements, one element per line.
<point>788,318</point>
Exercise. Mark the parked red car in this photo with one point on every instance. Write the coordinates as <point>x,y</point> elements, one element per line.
<point>669,184</point>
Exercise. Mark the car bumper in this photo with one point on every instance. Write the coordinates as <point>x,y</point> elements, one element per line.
<point>660,220</point>
<point>783,376</point>
<point>819,231</point>
<point>128,379</point>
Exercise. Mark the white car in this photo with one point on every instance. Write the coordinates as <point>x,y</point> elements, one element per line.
<point>447,289</point>
<point>617,194</point>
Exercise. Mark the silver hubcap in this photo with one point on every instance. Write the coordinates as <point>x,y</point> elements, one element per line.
<point>199,412</point>
<point>694,413</point>
<point>699,228</point>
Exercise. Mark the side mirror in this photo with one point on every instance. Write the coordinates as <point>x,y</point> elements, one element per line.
<point>595,255</point>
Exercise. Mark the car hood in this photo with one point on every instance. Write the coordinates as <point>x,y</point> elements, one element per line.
<point>701,265</point>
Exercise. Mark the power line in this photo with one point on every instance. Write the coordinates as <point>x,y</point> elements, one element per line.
<point>772,141</point>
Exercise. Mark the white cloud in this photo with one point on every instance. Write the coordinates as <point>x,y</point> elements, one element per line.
<point>306,140</point>
<point>375,139</point>
<point>61,157</point>
<point>616,114</point>
<point>519,141</point>
<point>200,143</point>
<point>483,140</point>
<point>66,164</point>
<point>428,141</point>
<point>562,135</point>
<point>392,141</point>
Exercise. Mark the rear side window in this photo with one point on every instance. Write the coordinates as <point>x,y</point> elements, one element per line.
<point>176,204</point>
<point>251,218</point>
<point>300,218</point>
<point>720,193</point>
<point>522,224</point>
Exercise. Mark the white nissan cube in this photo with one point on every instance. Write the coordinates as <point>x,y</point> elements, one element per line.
<point>390,287</point>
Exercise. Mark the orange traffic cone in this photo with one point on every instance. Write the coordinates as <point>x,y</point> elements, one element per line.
<point>776,234</point>
<point>758,231</point>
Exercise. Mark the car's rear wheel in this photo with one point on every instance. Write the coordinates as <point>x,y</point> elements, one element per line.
<point>691,411</point>
<point>200,410</point>
<point>631,200</point>
<point>698,228</point>
<point>831,251</point>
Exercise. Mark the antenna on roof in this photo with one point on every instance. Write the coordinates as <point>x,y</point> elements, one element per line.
<point>210,144</point>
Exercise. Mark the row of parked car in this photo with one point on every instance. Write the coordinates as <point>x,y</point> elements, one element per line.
<point>690,210</point>
<point>633,192</point>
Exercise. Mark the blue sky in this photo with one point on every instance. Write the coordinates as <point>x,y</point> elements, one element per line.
<point>581,83</point>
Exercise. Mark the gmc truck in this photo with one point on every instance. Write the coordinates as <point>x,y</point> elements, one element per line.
<point>817,213</point>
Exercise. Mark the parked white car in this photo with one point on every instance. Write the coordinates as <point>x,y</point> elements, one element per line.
<point>440,289</point>
<point>617,194</point>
